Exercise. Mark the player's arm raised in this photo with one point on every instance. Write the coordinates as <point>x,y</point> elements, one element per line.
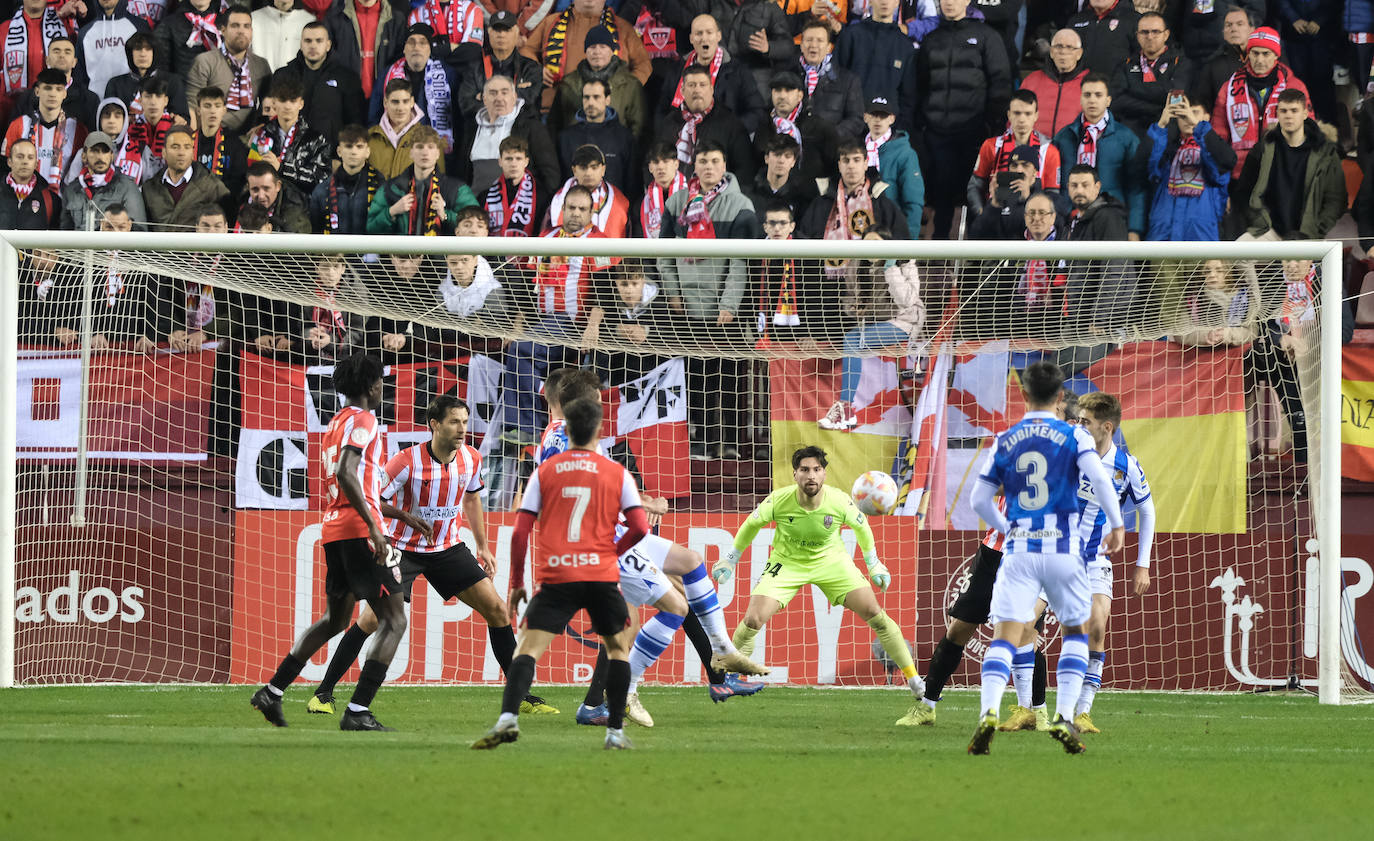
<point>757,519</point>
<point>347,477</point>
<point>863,534</point>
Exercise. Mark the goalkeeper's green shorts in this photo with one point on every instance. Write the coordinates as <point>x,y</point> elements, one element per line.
<point>837,578</point>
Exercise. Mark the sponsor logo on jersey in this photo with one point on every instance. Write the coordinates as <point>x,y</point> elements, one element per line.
<point>574,559</point>
<point>435,513</point>
<point>828,521</point>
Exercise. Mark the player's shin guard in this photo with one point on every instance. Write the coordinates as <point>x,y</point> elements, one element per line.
<point>1022,674</point>
<point>596,690</point>
<point>1040,680</point>
<point>617,689</point>
<point>651,641</point>
<point>502,646</point>
<point>744,639</point>
<point>890,635</point>
<point>374,672</point>
<point>996,673</point>
<point>1073,664</point>
<point>519,677</point>
<point>705,605</point>
<point>287,672</point>
<point>345,655</point>
<point>701,643</point>
<point>1092,681</point>
<point>942,664</point>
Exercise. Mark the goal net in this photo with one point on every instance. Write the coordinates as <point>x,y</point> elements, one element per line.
<point>172,393</point>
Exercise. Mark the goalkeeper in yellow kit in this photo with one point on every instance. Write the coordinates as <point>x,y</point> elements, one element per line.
<point>807,549</point>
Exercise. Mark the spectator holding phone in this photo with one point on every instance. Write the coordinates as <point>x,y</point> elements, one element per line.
<point>1189,166</point>
<point>1004,217</point>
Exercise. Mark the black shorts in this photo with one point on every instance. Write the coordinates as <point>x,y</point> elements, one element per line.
<point>554,605</point>
<point>975,603</point>
<point>350,570</point>
<point>449,572</point>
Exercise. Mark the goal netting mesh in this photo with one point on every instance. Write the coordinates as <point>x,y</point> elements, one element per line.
<point>169,488</point>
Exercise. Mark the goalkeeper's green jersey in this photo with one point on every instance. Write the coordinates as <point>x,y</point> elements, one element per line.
<point>807,536</point>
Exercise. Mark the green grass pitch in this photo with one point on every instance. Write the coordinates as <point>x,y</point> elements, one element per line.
<point>795,764</point>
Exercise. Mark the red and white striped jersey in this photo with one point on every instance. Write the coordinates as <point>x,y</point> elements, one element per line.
<point>459,22</point>
<point>356,428</point>
<point>433,491</point>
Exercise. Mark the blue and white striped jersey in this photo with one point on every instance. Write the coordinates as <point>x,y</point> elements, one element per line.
<point>1132,489</point>
<point>1036,465</point>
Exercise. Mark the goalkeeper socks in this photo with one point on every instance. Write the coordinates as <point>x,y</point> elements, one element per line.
<point>996,673</point>
<point>287,672</point>
<point>1041,678</point>
<point>1092,681</point>
<point>345,655</point>
<point>374,672</point>
<point>617,688</point>
<point>941,666</point>
<point>502,641</point>
<point>744,639</point>
<point>891,637</point>
<point>705,605</point>
<point>519,677</point>
<point>1073,664</point>
<point>1022,672</point>
<point>696,635</point>
<point>651,641</point>
<point>596,690</point>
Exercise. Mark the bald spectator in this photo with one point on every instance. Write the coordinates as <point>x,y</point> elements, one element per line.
<point>557,43</point>
<point>1107,28</point>
<point>1058,84</point>
<point>732,84</point>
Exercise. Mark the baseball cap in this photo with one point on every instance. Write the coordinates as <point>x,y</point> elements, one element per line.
<point>502,20</point>
<point>97,138</point>
<point>880,105</point>
<point>1026,155</point>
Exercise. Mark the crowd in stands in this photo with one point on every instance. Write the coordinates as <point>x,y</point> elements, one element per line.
<point>1091,120</point>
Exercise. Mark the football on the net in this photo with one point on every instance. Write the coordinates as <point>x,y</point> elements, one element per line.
<point>875,493</point>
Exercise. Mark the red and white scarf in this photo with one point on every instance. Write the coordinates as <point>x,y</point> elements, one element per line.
<point>714,68</point>
<point>22,191</point>
<point>329,316</point>
<point>873,144</point>
<point>17,46</point>
<point>1185,171</point>
<point>460,22</point>
<point>608,208</point>
<point>556,277</point>
<point>687,135</point>
<point>1087,147</point>
<point>240,93</point>
<point>200,305</point>
<point>1242,111</point>
<point>852,215</point>
<point>651,208</point>
<point>57,141</point>
<point>1149,68</point>
<point>1038,283</point>
<point>660,39</point>
<point>695,221</point>
<point>512,216</point>
<point>788,125</point>
<point>778,306</point>
<point>90,181</point>
<point>204,30</point>
<point>814,73</point>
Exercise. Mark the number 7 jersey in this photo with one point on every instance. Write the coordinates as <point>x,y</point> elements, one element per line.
<point>1036,465</point>
<point>577,497</point>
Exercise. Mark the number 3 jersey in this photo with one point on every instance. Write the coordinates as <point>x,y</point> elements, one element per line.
<point>577,497</point>
<point>1036,465</point>
<point>356,428</point>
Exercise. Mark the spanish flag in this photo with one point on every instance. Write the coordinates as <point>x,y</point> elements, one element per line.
<point>1357,413</point>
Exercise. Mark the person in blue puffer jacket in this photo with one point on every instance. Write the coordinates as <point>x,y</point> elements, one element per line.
<point>1189,167</point>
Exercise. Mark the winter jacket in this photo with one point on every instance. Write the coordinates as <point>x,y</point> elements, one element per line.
<point>126,87</point>
<point>1117,166</point>
<point>1214,73</point>
<point>750,17</point>
<point>1221,122</point>
<point>456,195</point>
<point>898,300</point>
<point>1137,102</point>
<point>1200,33</point>
<point>735,89</point>
<point>1058,96</point>
<point>166,214</point>
<point>1324,196</point>
<point>839,100</point>
<point>391,160</point>
<point>1183,218</point>
<point>963,78</point>
<point>722,126</point>
<point>616,143</point>
<point>898,166</point>
<point>543,154</point>
<point>387,42</point>
<point>818,142</point>
<point>882,56</point>
<point>353,202</point>
<point>1003,17</point>
<point>101,42</point>
<point>528,76</point>
<point>40,211</point>
<point>1098,293</point>
<point>631,46</point>
<point>211,69</point>
<point>333,95</point>
<point>627,97</point>
<point>1358,16</point>
<point>886,213</point>
<point>797,193</point>
<point>711,284</point>
<point>376,105</point>
<point>306,162</point>
<point>121,189</point>
<point>288,213</point>
<point>171,53</point>
<point>1107,40</point>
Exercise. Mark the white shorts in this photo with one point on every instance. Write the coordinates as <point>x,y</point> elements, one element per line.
<point>642,580</point>
<point>1100,579</point>
<point>1021,578</point>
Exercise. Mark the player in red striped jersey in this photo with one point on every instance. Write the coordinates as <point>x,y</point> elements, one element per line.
<point>578,496</point>
<point>360,562</point>
<point>430,492</point>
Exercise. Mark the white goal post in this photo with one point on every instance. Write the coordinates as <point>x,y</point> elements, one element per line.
<point>1326,480</point>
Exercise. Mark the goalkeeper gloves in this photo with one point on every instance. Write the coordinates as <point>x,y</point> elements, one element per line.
<point>878,573</point>
<point>725,567</point>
